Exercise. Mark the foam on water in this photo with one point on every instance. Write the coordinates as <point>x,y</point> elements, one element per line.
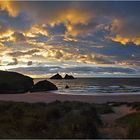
<point>97,85</point>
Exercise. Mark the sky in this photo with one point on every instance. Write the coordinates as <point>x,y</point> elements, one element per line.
<point>86,39</point>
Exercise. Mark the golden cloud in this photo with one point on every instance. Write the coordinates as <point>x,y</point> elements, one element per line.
<point>36,29</point>
<point>9,6</point>
<point>120,34</point>
<point>6,35</point>
<point>69,16</point>
<point>125,40</point>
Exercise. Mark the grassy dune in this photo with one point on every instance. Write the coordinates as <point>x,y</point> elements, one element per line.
<point>69,119</point>
<point>53,120</point>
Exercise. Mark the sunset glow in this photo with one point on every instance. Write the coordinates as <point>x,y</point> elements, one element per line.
<point>70,37</point>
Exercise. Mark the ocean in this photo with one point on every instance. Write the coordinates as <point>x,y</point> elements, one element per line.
<point>96,85</point>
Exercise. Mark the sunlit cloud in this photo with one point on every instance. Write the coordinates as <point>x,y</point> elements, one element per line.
<point>69,34</point>
<point>125,40</point>
<point>8,5</point>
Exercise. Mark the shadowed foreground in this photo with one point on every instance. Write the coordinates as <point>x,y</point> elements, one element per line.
<point>69,119</point>
<point>53,120</point>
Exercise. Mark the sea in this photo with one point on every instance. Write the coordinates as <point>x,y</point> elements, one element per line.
<point>96,85</point>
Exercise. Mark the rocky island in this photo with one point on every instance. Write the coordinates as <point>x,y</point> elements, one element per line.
<point>58,76</point>
<point>68,77</point>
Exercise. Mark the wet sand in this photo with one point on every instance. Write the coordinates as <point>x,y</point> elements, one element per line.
<point>50,97</point>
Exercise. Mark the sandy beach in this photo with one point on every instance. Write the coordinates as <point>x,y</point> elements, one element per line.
<point>48,97</point>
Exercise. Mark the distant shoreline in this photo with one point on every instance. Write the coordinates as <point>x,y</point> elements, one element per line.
<point>48,97</point>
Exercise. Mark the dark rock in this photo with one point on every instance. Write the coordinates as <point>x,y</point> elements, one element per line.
<point>44,86</point>
<point>56,76</point>
<point>67,86</point>
<point>68,77</point>
<point>12,82</point>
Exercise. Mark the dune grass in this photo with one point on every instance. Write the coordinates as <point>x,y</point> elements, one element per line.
<point>53,120</point>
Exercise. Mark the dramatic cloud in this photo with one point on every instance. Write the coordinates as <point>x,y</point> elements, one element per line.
<point>101,34</point>
<point>123,14</point>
